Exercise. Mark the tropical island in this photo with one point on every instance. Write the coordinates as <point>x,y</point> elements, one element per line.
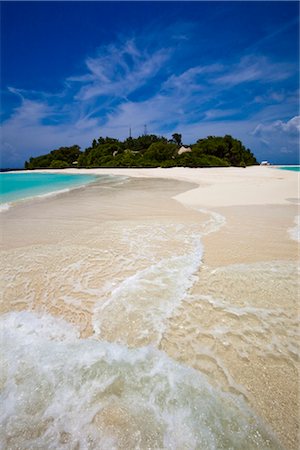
<point>148,151</point>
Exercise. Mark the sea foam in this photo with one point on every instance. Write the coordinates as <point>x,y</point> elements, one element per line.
<point>4,207</point>
<point>295,231</point>
<point>109,396</point>
<point>63,392</point>
<point>140,305</point>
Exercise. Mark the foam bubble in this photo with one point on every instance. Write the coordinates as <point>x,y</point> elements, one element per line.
<point>295,231</point>
<point>214,223</point>
<point>60,191</point>
<point>137,308</point>
<point>110,397</point>
<point>4,207</point>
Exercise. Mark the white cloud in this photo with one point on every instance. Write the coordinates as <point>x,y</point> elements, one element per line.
<point>118,71</point>
<point>35,128</point>
<point>271,96</point>
<point>218,113</point>
<point>194,78</point>
<point>78,113</point>
<point>281,135</point>
<point>290,127</point>
<point>28,113</point>
<point>255,68</point>
<point>192,102</point>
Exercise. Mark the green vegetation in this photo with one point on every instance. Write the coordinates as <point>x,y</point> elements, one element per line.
<point>57,159</point>
<point>148,151</point>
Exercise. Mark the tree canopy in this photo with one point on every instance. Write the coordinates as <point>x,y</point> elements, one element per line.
<point>65,156</point>
<point>148,151</point>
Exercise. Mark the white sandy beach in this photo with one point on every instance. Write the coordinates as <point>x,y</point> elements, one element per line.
<point>228,307</point>
<point>256,185</point>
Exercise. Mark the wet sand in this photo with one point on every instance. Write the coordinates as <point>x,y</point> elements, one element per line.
<point>241,321</point>
<point>74,244</point>
<point>237,322</point>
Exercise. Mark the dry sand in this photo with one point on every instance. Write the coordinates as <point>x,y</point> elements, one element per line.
<point>256,185</point>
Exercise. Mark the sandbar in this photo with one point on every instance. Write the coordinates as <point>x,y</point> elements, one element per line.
<point>239,321</point>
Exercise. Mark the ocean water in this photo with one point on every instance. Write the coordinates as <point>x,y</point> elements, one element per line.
<point>106,342</point>
<point>62,392</point>
<point>292,168</point>
<point>16,186</point>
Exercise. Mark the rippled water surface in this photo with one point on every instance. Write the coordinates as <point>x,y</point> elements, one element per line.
<point>118,335</point>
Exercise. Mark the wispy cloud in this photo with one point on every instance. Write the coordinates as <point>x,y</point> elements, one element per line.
<point>255,68</point>
<point>220,113</point>
<point>195,78</point>
<point>28,113</point>
<point>103,99</point>
<point>118,71</point>
<point>83,108</point>
<point>279,30</point>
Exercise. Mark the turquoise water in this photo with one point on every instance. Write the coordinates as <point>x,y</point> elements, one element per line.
<point>17,186</point>
<point>293,168</point>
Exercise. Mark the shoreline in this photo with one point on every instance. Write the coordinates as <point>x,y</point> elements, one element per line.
<point>241,267</point>
<point>217,187</point>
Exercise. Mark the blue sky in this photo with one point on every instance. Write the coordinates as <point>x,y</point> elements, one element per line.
<point>72,71</point>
